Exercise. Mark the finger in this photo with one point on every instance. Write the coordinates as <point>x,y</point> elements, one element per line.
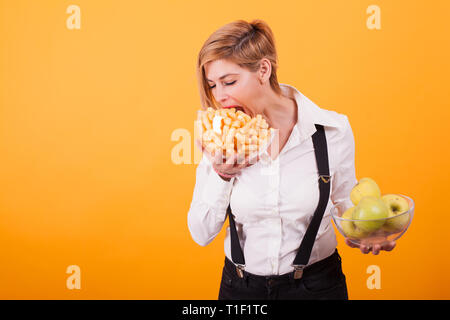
<point>376,249</point>
<point>364,249</point>
<point>247,161</point>
<point>389,246</point>
<point>231,160</point>
<point>252,160</point>
<point>198,144</point>
<point>202,147</point>
<point>216,157</point>
<point>350,243</point>
<point>242,162</point>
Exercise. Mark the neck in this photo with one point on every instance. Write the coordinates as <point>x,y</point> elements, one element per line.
<point>279,111</point>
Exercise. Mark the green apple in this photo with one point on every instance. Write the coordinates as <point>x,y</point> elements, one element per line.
<point>370,208</point>
<point>364,187</point>
<point>349,228</point>
<point>397,205</point>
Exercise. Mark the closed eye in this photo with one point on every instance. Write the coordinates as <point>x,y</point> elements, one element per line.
<point>227,84</point>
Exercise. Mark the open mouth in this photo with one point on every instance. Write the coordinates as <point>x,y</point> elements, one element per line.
<point>236,108</point>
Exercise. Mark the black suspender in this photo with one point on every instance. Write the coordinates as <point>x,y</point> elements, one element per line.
<point>236,251</point>
<point>304,251</point>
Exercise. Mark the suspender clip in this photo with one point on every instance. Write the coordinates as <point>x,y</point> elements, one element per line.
<point>298,271</point>
<point>240,270</point>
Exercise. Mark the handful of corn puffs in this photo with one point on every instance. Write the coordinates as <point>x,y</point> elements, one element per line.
<point>229,131</point>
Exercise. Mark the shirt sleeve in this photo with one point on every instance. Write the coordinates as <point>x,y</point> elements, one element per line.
<point>345,176</point>
<point>209,204</point>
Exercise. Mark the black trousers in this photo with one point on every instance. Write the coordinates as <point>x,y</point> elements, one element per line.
<point>320,281</point>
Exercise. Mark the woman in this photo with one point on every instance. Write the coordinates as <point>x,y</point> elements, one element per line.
<point>280,243</point>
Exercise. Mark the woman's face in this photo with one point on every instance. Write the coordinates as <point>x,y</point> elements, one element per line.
<point>233,86</point>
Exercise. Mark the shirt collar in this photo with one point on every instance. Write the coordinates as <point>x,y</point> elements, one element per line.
<point>308,114</point>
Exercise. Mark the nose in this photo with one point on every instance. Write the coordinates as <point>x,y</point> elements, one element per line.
<point>221,96</point>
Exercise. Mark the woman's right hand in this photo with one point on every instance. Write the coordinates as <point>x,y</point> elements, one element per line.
<point>233,164</point>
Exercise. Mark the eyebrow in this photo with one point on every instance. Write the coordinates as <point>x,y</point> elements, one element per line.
<point>225,75</point>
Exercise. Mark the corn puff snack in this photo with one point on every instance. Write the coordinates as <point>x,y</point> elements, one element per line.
<point>230,131</point>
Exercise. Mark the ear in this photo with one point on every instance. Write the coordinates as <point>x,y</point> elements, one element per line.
<point>265,69</point>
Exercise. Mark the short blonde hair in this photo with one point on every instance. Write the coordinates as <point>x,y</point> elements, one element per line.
<point>241,42</point>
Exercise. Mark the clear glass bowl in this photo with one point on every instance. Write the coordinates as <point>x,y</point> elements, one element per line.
<point>388,229</point>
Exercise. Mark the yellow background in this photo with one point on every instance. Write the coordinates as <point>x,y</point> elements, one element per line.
<point>86,118</point>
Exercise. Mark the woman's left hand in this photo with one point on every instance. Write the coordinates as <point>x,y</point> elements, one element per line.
<point>375,248</point>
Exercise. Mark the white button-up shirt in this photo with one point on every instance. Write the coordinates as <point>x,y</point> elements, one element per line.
<point>273,201</point>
